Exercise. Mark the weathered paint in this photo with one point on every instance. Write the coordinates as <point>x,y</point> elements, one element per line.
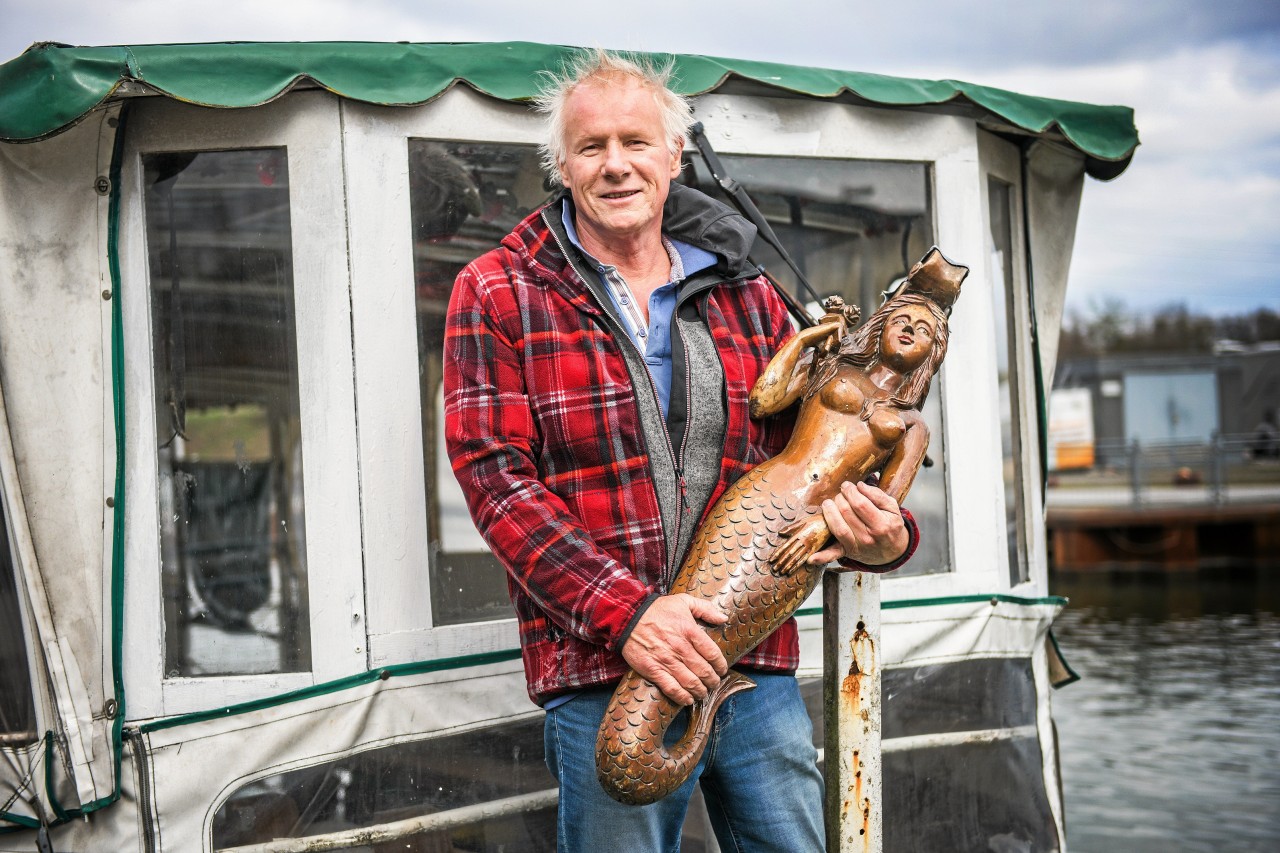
<point>852,713</point>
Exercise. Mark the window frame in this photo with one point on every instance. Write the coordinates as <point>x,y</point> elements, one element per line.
<point>948,146</point>
<point>307,125</point>
<point>1001,161</point>
<point>384,323</point>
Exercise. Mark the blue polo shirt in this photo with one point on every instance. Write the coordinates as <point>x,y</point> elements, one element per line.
<point>653,339</point>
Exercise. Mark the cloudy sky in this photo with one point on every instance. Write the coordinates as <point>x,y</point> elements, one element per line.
<point>1195,219</point>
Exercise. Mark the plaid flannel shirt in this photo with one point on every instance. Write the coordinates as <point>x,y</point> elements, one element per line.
<point>544,434</point>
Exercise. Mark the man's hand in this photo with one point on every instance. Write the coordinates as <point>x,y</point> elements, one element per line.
<point>867,525</point>
<point>669,647</point>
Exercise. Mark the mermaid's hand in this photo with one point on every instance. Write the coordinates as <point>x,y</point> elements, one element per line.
<point>804,538</point>
<point>866,524</point>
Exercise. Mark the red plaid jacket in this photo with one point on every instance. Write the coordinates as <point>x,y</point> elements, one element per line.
<point>544,435</point>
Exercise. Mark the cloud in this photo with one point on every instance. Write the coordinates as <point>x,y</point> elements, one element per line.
<point>980,34</point>
<point>1194,218</point>
<point>172,21</point>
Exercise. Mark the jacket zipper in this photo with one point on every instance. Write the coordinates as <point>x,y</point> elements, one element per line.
<point>669,568</point>
<point>684,434</point>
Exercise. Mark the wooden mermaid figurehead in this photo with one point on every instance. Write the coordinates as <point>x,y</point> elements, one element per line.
<point>860,393</point>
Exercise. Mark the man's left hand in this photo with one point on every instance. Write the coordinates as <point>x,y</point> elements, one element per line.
<point>867,526</point>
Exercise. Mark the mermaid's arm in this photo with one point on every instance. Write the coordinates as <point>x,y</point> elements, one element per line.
<point>784,378</point>
<point>903,464</point>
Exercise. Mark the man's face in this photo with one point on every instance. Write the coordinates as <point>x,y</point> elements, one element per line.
<point>618,166</point>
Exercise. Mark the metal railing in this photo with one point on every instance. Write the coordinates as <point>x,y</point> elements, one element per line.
<point>1232,468</point>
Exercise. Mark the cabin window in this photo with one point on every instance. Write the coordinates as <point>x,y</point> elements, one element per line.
<point>854,227</point>
<point>233,559</point>
<point>1000,247</point>
<point>464,197</point>
<point>17,711</point>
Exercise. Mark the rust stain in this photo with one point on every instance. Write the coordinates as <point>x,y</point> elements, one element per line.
<point>863,649</point>
<point>863,662</point>
<point>863,665</point>
<point>865,832</point>
<point>856,766</point>
<point>851,687</point>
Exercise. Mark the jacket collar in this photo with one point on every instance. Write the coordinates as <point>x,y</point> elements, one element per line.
<point>688,215</point>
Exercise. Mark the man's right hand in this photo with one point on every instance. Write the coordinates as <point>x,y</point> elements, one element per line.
<point>669,647</point>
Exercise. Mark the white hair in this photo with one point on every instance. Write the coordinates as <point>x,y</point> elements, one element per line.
<point>598,64</point>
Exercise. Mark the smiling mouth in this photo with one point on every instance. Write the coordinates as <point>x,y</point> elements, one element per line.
<point>620,194</point>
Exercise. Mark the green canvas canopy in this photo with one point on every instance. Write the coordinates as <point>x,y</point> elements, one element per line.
<point>51,86</point>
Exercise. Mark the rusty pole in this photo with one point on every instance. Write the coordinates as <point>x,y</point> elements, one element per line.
<point>851,709</point>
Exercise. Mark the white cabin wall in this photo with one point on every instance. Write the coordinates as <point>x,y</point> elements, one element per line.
<point>55,292</point>
<point>51,360</point>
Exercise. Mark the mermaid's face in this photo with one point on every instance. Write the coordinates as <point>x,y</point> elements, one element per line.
<point>908,337</point>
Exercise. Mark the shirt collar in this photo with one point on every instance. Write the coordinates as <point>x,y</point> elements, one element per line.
<point>686,259</point>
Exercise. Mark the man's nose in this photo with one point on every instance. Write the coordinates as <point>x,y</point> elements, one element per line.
<point>615,159</point>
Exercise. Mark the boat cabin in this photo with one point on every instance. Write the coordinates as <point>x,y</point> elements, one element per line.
<point>241,598</point>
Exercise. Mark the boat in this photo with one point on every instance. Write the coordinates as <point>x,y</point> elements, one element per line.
<point>242,604</point>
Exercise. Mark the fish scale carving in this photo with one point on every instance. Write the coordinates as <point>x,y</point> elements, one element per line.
<point>727,564</point>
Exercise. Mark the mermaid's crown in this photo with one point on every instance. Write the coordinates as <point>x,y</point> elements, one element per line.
<point>937,278</point>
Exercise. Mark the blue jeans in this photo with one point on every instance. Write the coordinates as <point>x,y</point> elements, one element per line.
<point>759,776</point>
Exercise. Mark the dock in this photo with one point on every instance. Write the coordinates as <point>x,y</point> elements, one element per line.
<point>1170,529</point>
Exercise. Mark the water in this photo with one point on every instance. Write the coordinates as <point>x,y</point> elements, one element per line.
<point>1171,742</point>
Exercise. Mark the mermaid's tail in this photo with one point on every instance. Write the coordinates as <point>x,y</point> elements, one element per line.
<point>632,763</point>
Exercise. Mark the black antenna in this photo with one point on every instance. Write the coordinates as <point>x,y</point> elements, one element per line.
<point>738,195</point>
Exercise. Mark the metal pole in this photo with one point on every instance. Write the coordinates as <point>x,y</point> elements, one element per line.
<point>1217,468</point>
<point>851,712</point>
<point>1135,470</point>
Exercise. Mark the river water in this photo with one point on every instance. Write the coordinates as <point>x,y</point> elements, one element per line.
<point>1171,741</point>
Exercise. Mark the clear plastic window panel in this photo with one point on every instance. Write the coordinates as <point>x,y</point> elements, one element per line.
<point>854,228</point>
<point>486,790</point>
<point>465,197</point>
<point>17,712</point>
<point>444,777</point>
<point>1000,247</point>
<point>227,413</point>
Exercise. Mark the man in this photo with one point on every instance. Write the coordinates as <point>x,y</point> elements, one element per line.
<point>597,367</point>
